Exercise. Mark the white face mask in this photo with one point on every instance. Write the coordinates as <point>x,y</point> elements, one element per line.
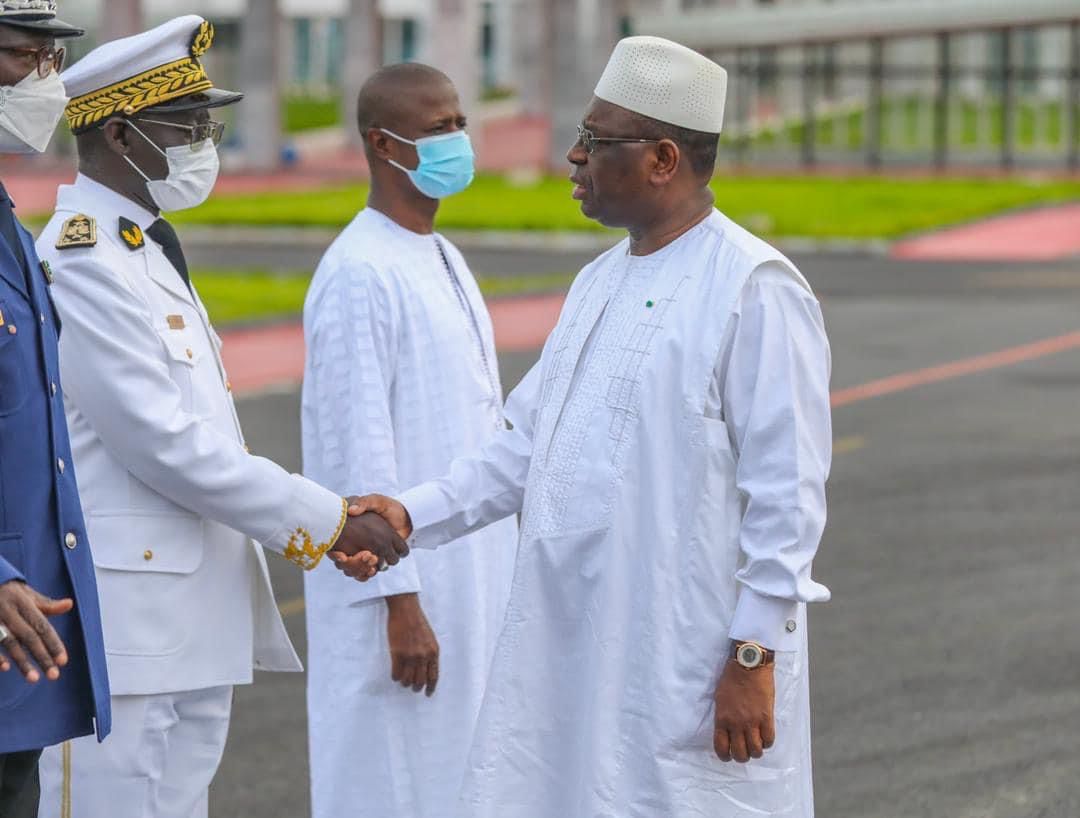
<point>192,175</point>
<point>29,112</point>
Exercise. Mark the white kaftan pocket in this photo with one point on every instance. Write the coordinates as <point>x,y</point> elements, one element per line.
<point>768,786</point>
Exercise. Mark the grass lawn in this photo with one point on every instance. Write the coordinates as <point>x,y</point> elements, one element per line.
<point>233,296</point>
<point>811,206</point>
<point>907,125</point>
<point>303,113</point>
<point>490,203</point>
<point>250,295</point>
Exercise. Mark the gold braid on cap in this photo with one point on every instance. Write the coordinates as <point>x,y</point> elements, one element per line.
<point>154,87</point>
<point>29,7</point>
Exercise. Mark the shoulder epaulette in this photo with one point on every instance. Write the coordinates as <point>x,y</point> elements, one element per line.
<point>78,231</point>
<point>131,233</point>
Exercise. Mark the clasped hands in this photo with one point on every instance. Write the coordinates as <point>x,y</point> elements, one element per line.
<point>375,532</point>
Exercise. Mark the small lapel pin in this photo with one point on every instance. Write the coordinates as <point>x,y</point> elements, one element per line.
<point>175,321</point>
<point>131,233</point>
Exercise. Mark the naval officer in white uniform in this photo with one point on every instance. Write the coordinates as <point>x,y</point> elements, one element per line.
<point>173,500</point>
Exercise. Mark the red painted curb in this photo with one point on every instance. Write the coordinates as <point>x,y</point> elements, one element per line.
<point>1047,234</point>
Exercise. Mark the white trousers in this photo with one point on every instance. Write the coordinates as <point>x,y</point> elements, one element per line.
<point>157,762</point>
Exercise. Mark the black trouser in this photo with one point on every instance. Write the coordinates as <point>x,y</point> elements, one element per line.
<point>19,790</point>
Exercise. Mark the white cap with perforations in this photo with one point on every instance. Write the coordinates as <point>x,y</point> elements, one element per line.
<point>665,81</point>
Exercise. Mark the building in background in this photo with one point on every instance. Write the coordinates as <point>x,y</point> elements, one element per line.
<point>540,57</point>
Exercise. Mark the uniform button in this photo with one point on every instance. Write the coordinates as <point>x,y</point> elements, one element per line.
<point>52,388</point>
<point>61,465</point>
<point>71,540</point>
<point>190,354</point>
<point>12,329</point>
<point>148,555</point>
<point>41,315</point>
<point>228,386</point>
<point>790,626</point>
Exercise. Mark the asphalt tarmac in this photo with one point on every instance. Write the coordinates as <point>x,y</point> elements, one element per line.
<point>946,669</point>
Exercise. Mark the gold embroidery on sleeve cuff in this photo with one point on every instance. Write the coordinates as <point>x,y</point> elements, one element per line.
<point>303,552</point>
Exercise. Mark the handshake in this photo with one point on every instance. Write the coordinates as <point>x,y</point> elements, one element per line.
<point>373,538</point>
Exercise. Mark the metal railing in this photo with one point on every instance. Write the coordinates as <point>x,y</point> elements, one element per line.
<point>896,83</point>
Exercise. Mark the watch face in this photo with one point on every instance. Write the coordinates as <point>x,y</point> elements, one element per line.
<point>749,656</point>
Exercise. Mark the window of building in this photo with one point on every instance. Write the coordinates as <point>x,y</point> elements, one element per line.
<point>408,39</point>
<point>335,51</point>
<point>301,50</point>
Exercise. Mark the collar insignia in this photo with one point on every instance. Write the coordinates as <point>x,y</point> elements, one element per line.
<point>47,270</point>
<point>78,231</point>
<point>132,234</point>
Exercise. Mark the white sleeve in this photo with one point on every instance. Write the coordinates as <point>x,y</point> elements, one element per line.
<point>351,360</point>
<point>483,488</point>
<point>775,390</point>
<point>115,373</point>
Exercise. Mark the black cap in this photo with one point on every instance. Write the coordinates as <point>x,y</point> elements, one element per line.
<point>38,16</point>
<point>210,98</point>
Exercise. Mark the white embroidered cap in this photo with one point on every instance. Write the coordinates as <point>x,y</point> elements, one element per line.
<point>666,81</point>
<point>160,68</point>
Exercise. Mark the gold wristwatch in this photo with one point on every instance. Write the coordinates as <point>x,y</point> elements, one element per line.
<point>751,655</point>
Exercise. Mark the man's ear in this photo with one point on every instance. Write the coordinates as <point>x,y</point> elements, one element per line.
<point>378,143</point>
<point>666,160</point>
<point>116,136</point>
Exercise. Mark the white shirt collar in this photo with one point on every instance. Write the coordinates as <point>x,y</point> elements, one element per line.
<point>380,219</point>
<point>108,205</point>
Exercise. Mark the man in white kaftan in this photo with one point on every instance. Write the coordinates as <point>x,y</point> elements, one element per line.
<point>668,454</point>
<point>401,378</point>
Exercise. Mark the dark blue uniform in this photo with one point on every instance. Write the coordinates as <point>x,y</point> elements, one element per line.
<point>42,535</point>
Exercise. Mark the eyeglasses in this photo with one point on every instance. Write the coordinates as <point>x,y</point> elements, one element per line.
<point>48,57</point>
<point>589,142</point>
<point>199,133</point>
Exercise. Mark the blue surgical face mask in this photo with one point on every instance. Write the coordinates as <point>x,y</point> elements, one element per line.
<point>446,163</point>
